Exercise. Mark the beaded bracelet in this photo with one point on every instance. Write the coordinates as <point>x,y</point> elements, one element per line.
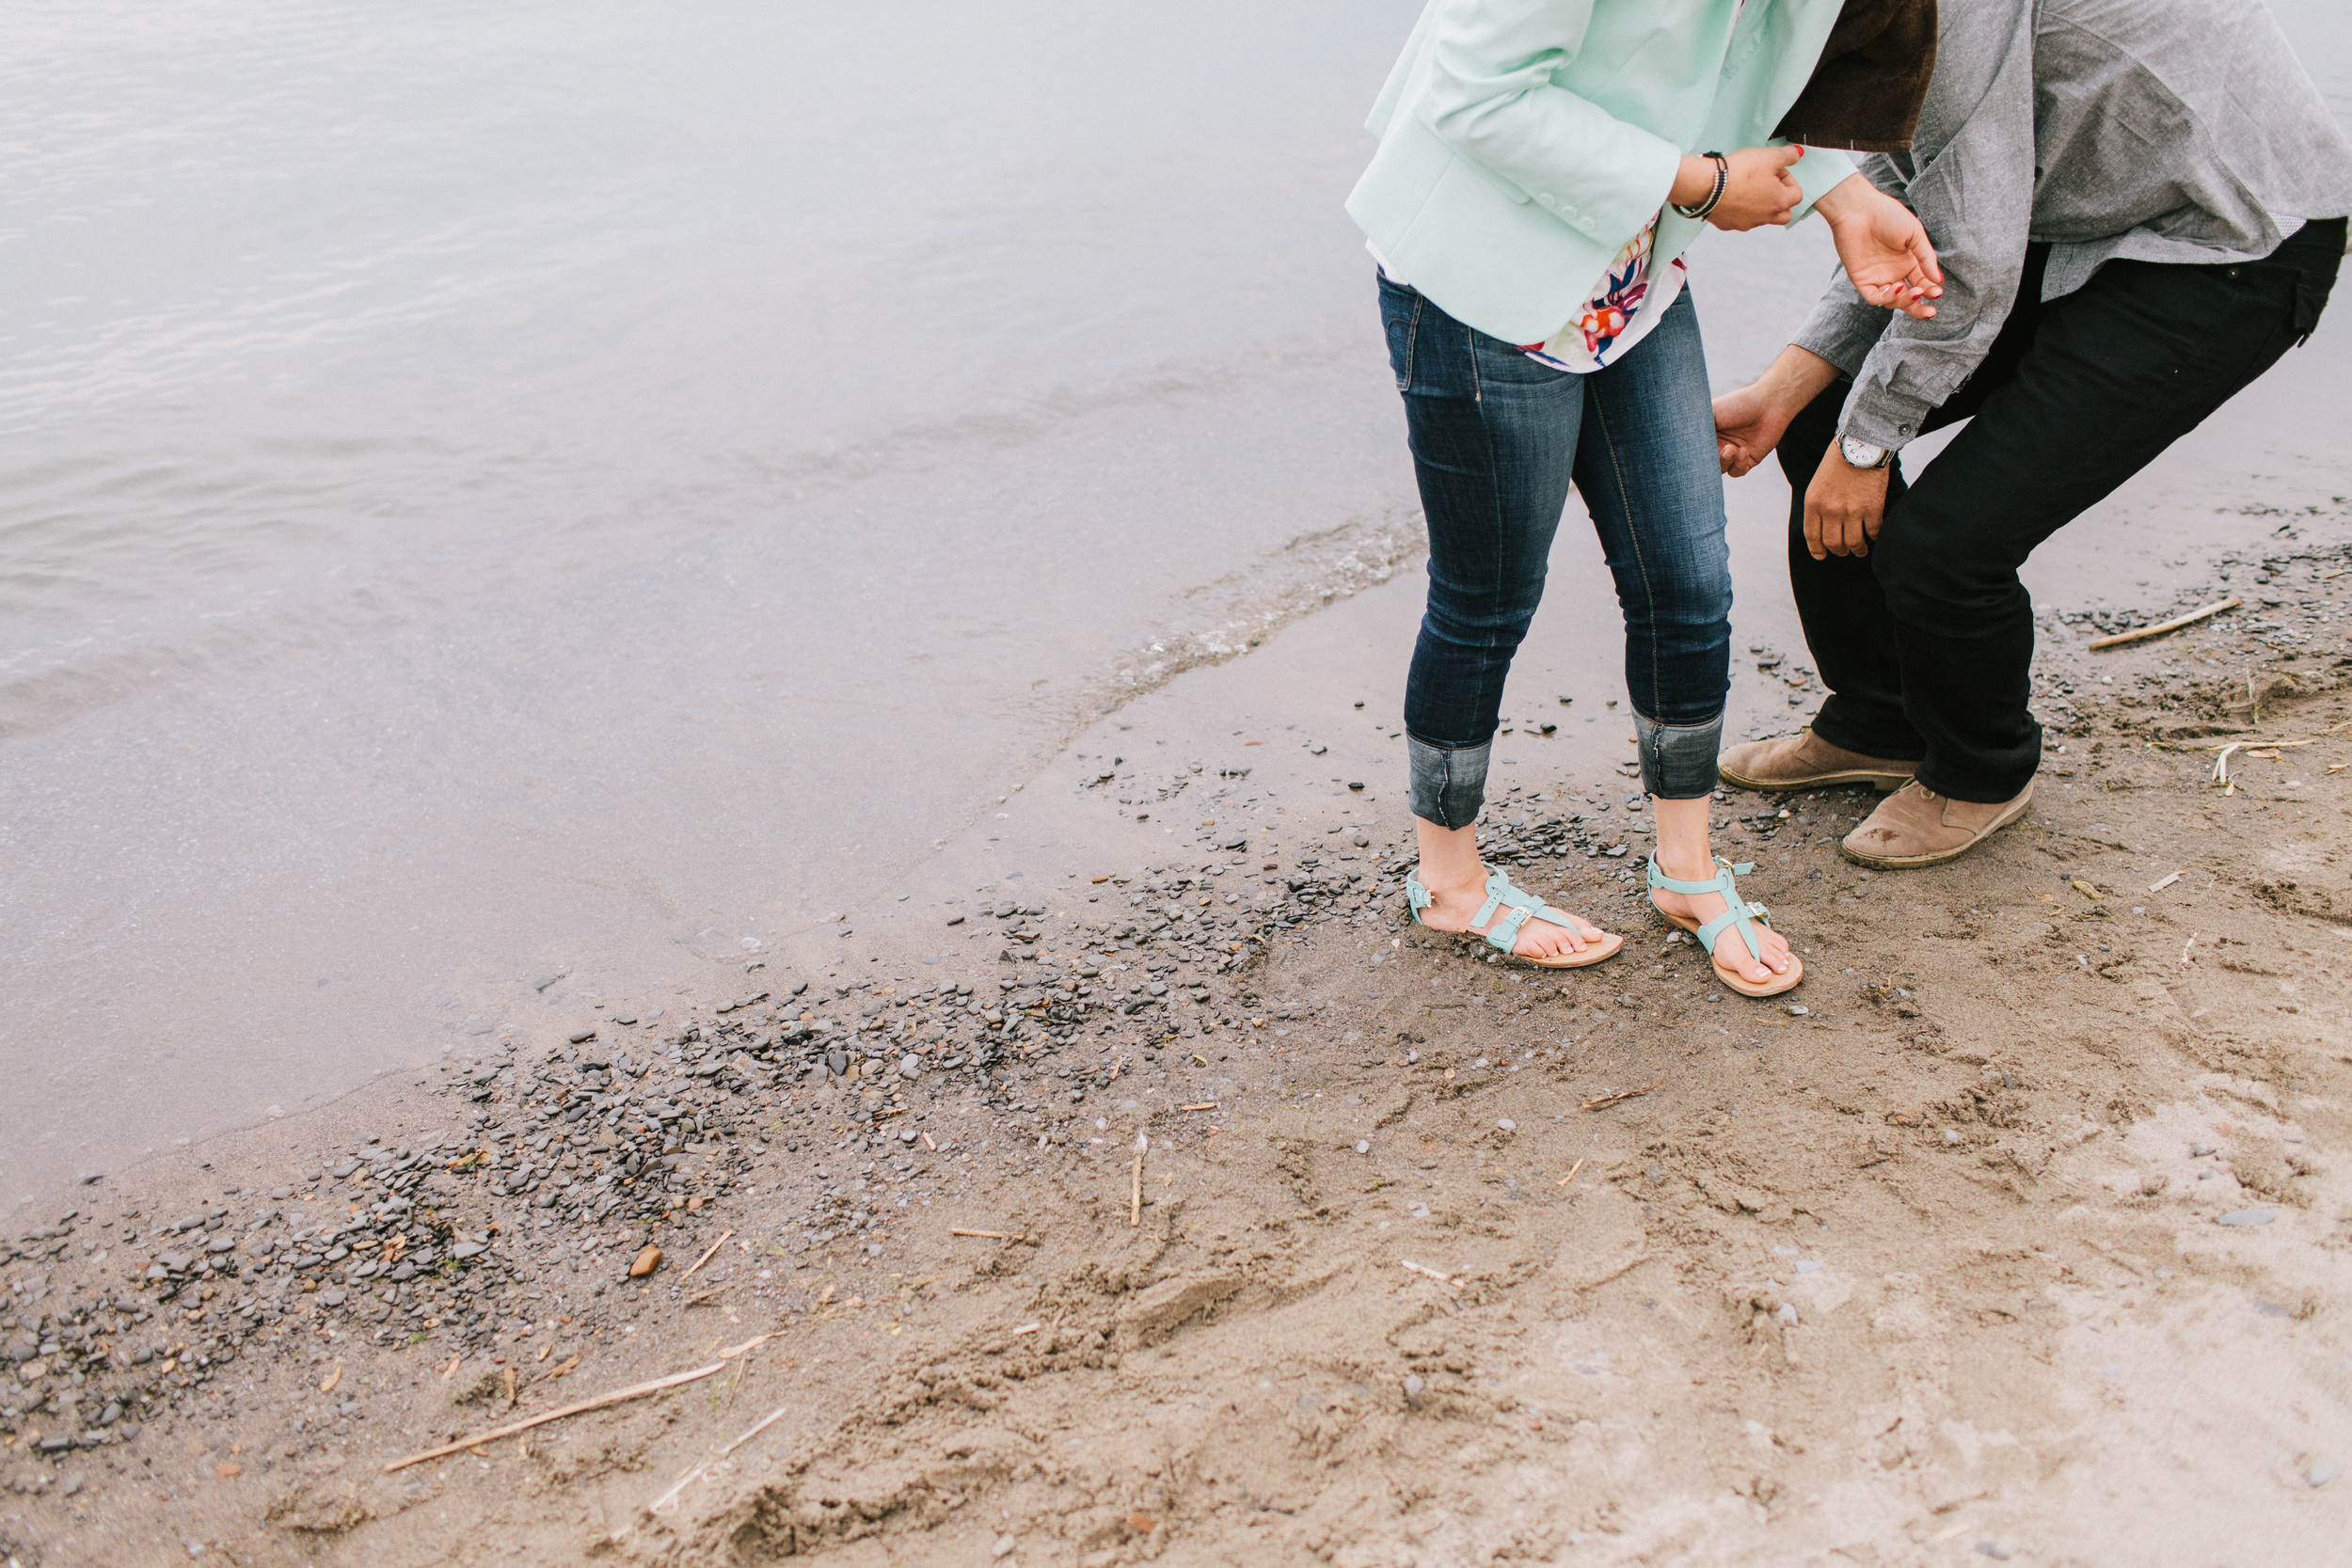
<point>1722,184</point>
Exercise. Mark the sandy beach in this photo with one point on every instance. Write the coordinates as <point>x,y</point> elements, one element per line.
<point>1197,1207</point>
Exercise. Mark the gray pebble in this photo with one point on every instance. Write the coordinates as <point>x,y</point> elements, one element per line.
<point>1808,1265</point>
<point>1413,1386</point>
<point>2247,1216</point>
<point>1507,1125</point>
<point>1787,1313</point>
<point>2322,1472</point>
<point>331,1296</point>
<point>581,1037</point>
<point>1363,1146</point>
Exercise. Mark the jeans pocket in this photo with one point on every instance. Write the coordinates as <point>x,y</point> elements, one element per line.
<point>1400,316</point>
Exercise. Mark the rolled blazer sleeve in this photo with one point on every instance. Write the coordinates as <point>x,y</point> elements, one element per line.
<point>1491,98</point>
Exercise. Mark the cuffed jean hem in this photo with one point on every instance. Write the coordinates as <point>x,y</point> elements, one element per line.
<point>1678,760</point>
<point>1449,783</point>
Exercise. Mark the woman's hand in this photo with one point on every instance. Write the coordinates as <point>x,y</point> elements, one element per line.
<point>1751,419</point>
<point>1760,190</point>
<point>1885,250</point>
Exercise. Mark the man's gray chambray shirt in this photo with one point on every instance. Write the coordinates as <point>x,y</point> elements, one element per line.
<point>2180,131</point>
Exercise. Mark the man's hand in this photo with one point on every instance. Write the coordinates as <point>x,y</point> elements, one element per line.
<point>1750,422</point>
<point>1883,247</point>
<point>1844,506</point>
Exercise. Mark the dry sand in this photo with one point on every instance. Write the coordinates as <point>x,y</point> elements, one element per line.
<point>1941,1266</point>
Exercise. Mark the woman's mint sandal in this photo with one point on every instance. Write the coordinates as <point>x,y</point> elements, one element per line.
<point>1740,913</point>
<point>1504,933</point>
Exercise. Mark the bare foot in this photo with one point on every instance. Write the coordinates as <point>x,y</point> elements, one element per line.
<point>1452,905</point>
<point>1731,954</point>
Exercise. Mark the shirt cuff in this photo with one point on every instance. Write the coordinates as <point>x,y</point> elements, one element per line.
<point>1883,416</point>
<point>1822,170</point>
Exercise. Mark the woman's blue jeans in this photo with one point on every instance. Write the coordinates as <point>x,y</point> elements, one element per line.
<point>1497,439</point>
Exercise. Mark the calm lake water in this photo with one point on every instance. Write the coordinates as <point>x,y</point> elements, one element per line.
<point>484,491</point>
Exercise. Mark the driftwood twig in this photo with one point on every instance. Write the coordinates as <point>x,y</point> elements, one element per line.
<point>1608,1099</point>
<point>2162,627</point>
<point>619,1395</point>
<point>708,1253</point>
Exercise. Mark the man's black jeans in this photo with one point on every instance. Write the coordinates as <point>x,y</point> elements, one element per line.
<point>1927,643</point>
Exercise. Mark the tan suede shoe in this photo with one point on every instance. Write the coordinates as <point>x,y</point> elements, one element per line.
<point>1806,761</point>
<point>1916,826</point>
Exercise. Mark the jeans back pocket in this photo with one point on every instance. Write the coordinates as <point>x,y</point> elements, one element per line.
<point>1400,317</point>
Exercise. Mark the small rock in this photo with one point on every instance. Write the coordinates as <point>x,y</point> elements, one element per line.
<point>2197,1151</point>
<point>581,1037</point>
<point>1995,1550</point>
<point>1506,1125</point>
<point>646,1261</point>
<point>1413,1386</point>
<point>1003,1547</point>
<point>1363,1146</point>
<point>1808,1265</point>
<point>332,1296</point>
<point>1951,1135</point>
<point>2322,1472</point>
<point>1787,1313</point>
<point>2248,1217</point>
<point>1798,1009</point>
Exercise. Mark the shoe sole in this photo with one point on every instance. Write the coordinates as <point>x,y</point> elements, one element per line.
<point>1886,784</point>
<point>1904,863</point>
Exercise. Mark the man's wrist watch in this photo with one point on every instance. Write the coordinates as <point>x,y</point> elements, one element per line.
<point>1862,454</point>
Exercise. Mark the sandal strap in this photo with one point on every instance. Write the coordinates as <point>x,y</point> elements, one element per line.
<point>1504,934</point>
<point>1417,897</point>
<point>1721,882</point>
<point>1738,911</point>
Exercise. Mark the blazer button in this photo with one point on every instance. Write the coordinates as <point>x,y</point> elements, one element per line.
<point>1546,200</point>
<point>1588,224</point>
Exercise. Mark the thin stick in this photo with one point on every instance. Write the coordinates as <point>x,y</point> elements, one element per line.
<point>1572,1170</point>
<point>983,1235</point>
<point>619,1395</point>
<point>708,1254</point>
<point>2159,887</point>
<point>1135,1202</point>
<point>1204,1105</point>
<point>1445,1280</point>
<point>2233,745</point>
<point>1622,1094</point>
<point>2162,627</point>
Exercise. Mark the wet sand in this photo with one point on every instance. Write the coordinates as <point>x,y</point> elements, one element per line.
<point>2022,1238</point>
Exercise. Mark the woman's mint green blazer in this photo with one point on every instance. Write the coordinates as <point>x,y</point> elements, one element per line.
<point>1523,142</point>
